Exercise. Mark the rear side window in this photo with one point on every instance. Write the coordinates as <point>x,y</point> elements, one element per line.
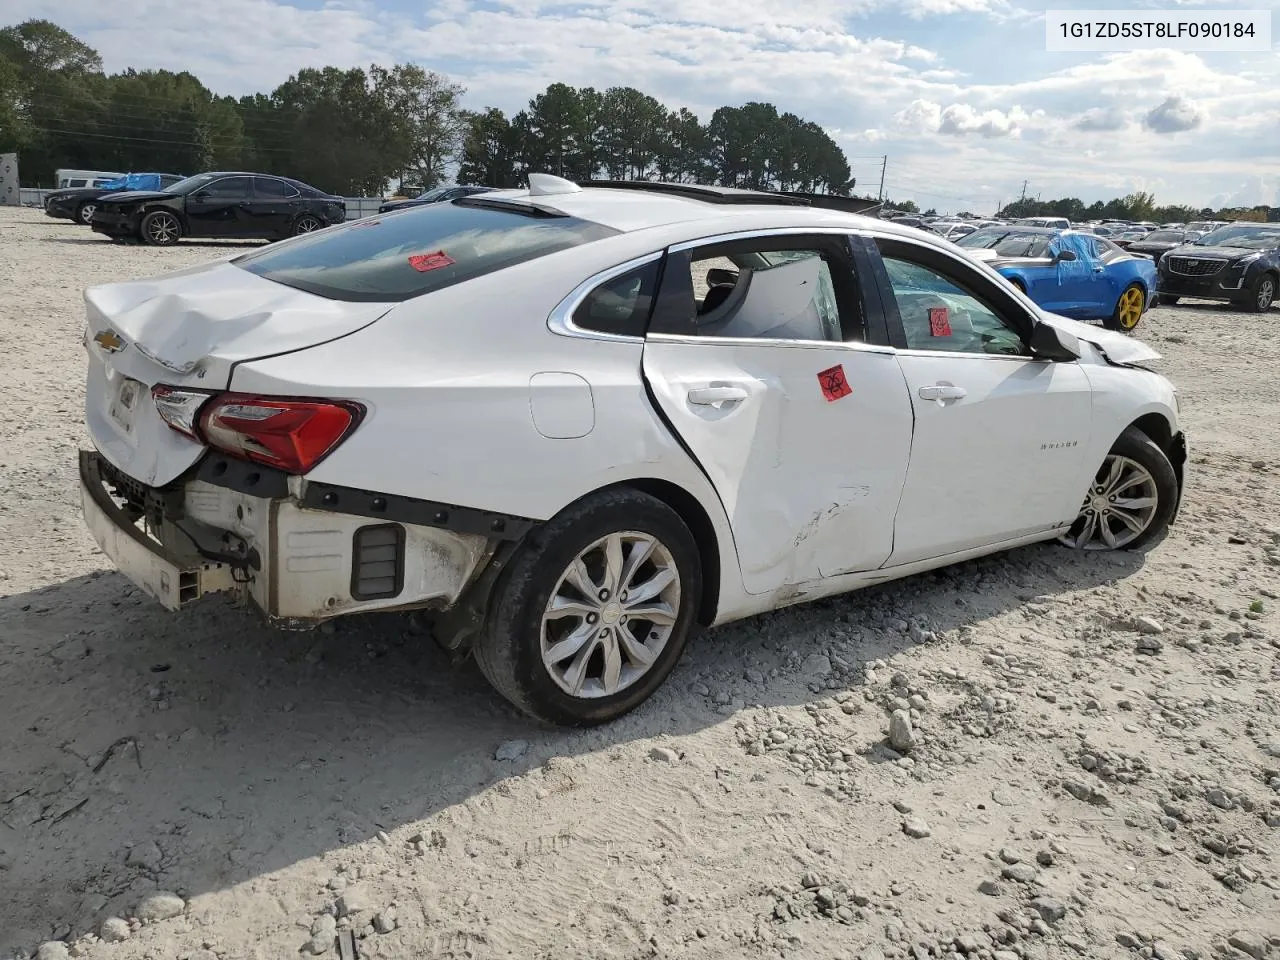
<point>268,188</point>
<point>400,256</point>
<point>621,305</point>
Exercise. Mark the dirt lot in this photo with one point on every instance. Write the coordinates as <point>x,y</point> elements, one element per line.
<point>1085,783</point>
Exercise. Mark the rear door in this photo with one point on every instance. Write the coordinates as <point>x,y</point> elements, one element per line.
<point>272,210</point>
<point>757,356</point>
<point>220,208</point>
<point>999,435</point>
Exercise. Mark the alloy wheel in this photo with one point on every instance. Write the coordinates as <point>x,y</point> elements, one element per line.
<point>1119,507</point>
<point>1131,308</point>
<point>86,212</point>
<point>163,229</point>
<point>1266,293</point>
<point>307,225</point>
<point>610,615</point>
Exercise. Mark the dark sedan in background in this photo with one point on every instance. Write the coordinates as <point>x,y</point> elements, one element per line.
<point>1159,242</point>
<point>1239,264</point>
<point>437,195</point>
<point>79,203</point>
<point>232,205</point>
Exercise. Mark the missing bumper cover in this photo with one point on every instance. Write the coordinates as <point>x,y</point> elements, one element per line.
<point>426,513</point>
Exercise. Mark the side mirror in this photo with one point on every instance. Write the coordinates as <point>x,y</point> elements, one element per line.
<point>200,196</point>
<point>1050,343</point>
<point>1066,256</point>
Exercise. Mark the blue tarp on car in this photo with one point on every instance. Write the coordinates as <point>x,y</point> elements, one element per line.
<point>136,181</point>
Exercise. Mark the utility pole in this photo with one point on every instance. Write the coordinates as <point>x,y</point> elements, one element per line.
<point>884,162</point>
<point>1023,198</point>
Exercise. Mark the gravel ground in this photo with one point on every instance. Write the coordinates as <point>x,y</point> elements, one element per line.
<point>1036,755</point>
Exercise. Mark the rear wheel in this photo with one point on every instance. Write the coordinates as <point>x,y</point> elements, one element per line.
<point>594,610</point>
<point>1129,308</point>
<point>1261,294</point>
<point>306,224</point>
<point>160,228</point>
<point>1131,500</point>
<point>84,212</point>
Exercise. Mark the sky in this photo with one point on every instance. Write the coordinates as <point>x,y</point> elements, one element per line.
<point>960,95</point>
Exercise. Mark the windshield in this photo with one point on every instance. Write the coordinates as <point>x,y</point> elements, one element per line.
<point>1165,236</point>
<point>191,183</point>
<point>418,250</point>
<point>1008,242</point>
<point>1250,237</point>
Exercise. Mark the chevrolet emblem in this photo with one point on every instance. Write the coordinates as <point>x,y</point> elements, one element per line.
<point>109,342</point>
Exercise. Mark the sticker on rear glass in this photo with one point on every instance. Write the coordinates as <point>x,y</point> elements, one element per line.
<point>833,383</point>
<point>939,322</point>
<point>422,262</point>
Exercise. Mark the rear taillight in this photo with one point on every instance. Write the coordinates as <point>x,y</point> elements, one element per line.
<point>180,408</point>
<point>292,435</point>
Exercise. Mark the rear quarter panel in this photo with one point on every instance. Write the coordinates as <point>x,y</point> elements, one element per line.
<point>447,379</point>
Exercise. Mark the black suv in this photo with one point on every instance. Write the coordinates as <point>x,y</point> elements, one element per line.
<point>1239,263</point>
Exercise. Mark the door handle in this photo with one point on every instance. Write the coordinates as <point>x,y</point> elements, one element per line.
<point>1098,269</point>
<point>707,396</point>
<point>943,391</point>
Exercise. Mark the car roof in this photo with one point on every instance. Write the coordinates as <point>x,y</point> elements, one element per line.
<point>714,209</point>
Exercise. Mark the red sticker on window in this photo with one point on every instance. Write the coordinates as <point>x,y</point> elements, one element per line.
<point>833,383</point>
<point>422,262</point>
<point>939,322</point>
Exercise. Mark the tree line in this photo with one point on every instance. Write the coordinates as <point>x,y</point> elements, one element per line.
<point>1135,206</point>
<point>351,131</point>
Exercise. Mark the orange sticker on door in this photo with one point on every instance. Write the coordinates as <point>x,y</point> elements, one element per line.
<point>939,322</point>
<point>833,383</point>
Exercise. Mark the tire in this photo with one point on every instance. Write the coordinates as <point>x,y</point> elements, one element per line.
<point>1130,306</point>
<point>160,228</point>
<point>84,212</point>
<point>1164,300</point>
<point>1136,455</point>
<point>510,648</point>
<point>1017,285</point>
<point>1262,292</point>
<point>307,223</point>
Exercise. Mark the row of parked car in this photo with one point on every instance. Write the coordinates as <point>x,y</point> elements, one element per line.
<point>1110,271</point>
<point>1114,271</point>
<point>162,208</point>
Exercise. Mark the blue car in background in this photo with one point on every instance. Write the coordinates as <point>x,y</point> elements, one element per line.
<point>79,203</point>
<point>1074,274</point>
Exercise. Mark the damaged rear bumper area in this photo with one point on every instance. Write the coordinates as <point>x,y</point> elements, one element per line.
<point>302,553</point>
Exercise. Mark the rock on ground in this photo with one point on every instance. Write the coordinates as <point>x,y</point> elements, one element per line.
<point>160,906</point>
<point>114,929</point>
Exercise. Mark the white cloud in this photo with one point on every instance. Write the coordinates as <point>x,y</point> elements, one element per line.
<point>1173,115</point>
<point>960,120</point>
<point>1100,118</point>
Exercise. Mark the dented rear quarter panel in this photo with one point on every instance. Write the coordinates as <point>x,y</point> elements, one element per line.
<point>446,379</point>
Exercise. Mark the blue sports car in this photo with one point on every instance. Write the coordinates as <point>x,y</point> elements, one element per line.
<point>1075,274</point>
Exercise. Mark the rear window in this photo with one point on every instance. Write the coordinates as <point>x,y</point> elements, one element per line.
<point>405,254</point>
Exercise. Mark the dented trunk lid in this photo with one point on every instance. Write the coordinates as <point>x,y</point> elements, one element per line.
<point>189,329</point>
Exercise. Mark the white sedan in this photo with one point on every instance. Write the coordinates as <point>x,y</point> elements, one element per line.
<point>578,422</point>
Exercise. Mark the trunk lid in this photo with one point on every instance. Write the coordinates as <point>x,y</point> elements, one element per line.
<point>189,329</point>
